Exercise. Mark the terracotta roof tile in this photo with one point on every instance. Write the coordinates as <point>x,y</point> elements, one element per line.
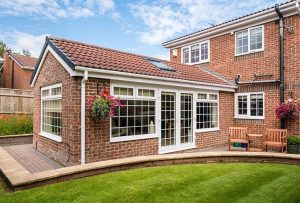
<point>25,60</point>
<point>92,56</point>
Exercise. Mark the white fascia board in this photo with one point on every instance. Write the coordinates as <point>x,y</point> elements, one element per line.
<point>132,77</point>
<point>252,20</point>
<point>57,57</point>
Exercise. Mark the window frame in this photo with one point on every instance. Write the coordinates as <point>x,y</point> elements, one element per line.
<point>136,97</point>
<point>211,101</point>
<point>189,47</point>
<point>249,37</point>
<point>47,98</point>
<point>248,116</point>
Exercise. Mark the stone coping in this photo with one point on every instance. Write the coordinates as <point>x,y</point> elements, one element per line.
<point>19,178</point>
<point>19,135</point>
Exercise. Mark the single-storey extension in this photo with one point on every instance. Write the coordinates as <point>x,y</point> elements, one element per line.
<point>169,106</point>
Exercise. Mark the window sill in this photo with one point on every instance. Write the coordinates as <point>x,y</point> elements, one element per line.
<point>248,53</point>
<point>207,130</point>
<point>132,138</point>
<point>201,62</point>
<point>51,137</point>
<point>250,118</point>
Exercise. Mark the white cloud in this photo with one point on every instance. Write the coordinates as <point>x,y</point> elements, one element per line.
<point>165,19</point>
<point>54,9</point>
<point>19,40</point>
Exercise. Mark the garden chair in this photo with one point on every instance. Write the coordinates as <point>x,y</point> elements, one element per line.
<point>238,134</point>
<point>275,138</point>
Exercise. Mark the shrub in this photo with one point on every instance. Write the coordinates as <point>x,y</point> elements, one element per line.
<point>294,140</point>
<point>15,124</point>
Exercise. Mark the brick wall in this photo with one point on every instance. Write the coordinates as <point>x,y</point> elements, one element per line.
<point>224,61</point>
<point>68,151</point>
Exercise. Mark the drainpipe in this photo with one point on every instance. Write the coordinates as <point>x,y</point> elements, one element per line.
<point>281,35</point>
<point>82,121</point>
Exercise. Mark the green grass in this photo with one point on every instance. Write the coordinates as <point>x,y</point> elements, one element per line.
<point>15,124</point>
<point>183,183</point>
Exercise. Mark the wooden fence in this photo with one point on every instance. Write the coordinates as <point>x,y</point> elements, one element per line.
<point>15,101</point>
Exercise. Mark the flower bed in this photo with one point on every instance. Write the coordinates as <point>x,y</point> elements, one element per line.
<point>15,124</point>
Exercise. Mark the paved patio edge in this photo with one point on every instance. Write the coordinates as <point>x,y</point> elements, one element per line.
<point>25,180</point>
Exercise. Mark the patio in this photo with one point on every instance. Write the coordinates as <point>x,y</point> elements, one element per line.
<point>31,159</point>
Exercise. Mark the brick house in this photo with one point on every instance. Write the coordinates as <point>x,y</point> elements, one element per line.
<point>186,103</point>
<point>247,49</point>
<point>16,71</point>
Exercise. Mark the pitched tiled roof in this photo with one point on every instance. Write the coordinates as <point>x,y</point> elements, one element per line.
<point>91,56</point>
<point>27,61</point>
<point>235,19</point>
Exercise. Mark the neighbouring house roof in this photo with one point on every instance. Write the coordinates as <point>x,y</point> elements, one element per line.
<point>24,61</point>
<point>78,54</point>
<point>289,6</point>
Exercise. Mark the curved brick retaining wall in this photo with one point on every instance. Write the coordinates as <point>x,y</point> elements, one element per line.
<point>79,171</point>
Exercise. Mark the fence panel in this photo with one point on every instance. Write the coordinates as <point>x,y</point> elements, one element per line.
<point>15,101</point>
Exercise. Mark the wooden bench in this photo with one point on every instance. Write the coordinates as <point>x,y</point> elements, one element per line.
<point>275,138</point>
<point>238,134</point>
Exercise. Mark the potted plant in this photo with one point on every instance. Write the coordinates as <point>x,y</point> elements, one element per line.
<point>103,106</point>
<point>289,110</point>
<point>293,144</point>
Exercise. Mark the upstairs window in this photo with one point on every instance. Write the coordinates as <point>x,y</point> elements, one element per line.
<point>249,105</point>
<point>185,55</point>
<point>250,40</point>
<point>196,53</point>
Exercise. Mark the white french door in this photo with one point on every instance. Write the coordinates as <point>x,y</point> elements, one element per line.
<point>176,120</point>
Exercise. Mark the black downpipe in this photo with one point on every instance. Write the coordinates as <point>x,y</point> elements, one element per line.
<point>281,87</point>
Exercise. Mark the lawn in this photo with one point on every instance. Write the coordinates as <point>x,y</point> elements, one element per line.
<point>183,183</point>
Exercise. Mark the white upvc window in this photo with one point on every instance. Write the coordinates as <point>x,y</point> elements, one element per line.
<point>51,108</point>
<point>249,40</point>
<point>207,112</point>
<point>137,119</point>
<point>196,53</point>
<point>249,105</point>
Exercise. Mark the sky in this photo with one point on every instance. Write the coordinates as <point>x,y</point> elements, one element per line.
<point>133,26</point>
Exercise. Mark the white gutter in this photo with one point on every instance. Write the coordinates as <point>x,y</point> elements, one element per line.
<point>82,117</point>
<point>134,75</point>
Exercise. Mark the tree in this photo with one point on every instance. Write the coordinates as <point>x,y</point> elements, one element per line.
<point>26,52</point>
<point>3,48</point>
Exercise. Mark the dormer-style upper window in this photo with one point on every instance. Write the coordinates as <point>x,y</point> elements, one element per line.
<point>249,40</point>
<point>196,53</point>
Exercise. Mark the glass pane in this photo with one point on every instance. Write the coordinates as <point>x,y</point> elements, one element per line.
<point>168,121</point>
<point>56,91</point>
<point>146,93</point>
<point>256,38</point>
<point>213,97</point>
<point>195,53</point>
<point>45,93</point>
<point>136,118</point>
<point>207,115</point>
<point>186,115</point>
<point>51,117</point>
<point>242,42</point>
<point>204,51</point>
<point>185,55</point>
<point>256,104</point>
<point>242,105</point>
<point>202,96</point>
